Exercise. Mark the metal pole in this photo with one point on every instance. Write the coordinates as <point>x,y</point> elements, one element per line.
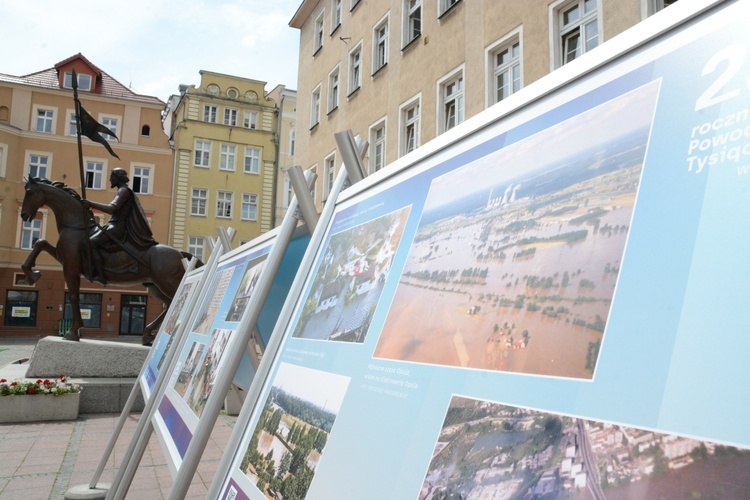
<point>302,194</point>
<point>350,152</point>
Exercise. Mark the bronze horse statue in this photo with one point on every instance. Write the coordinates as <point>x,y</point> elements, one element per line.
<point>161,274</point>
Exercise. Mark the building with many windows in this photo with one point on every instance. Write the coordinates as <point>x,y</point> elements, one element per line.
<point>223,134</point>
<point>398,73</point>
<point>38,138</point>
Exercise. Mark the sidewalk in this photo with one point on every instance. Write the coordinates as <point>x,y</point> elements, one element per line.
<point>42,460</point>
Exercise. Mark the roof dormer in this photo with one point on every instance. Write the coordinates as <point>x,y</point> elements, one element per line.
<point>89,76</point>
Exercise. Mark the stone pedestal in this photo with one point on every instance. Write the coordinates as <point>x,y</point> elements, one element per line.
<point>38,407</point>
<point>87,358</point>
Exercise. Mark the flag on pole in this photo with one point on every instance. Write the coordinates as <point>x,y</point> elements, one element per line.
<point>94,130</point>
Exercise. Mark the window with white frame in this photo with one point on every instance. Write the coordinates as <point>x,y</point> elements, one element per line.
<point>329,175</point>
<point>198,201</point>
<point>224,204</point>
<point>577,29</point>
<point>288,190</point>
<point>111,123</point>
<point>377,150</point>
<point>196,246</point>
<point>39,165</point>
<point>252,160</point>
<point>353,3</point>
<point>410,126</point>
<point>141,180</point>
<point>657,5</point>
<point>3,159</point>
<point>315,107</point>
<point>412,20</point>
<point>318,41</point>
<point>84,81</point>
<point>30,232</point>
<point>333,89</point>
<point>72,123</point>
<point>250,119</point>
<point>45,120</point>
<point>445,6</point>
<point>209,113</point>
<point>230,117</point>
<point>451,92</point>
<point>380,45</point>
<point>249,206</point>
<point>355,68</point>
<point>202,154</point>
<point>314,190</point>
<point>504,68</point>
<point>227,156</point>
<point>94,174</point>
<point>292,138</point>
<point>335,14</point>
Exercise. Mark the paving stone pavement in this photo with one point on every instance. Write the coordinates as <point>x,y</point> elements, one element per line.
<point>42,460</point>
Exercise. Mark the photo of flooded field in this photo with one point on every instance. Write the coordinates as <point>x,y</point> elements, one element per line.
<point>488,450</point>
<point>349,282</point>
<point>517,254</point>
<point>292,431</point>
<point>206,317</point>
<point>245,290</point>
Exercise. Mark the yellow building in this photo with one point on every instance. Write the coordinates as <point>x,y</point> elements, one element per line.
<point>223,136</point>
<point>286,101</point>
<point>38,138</point>
<point>398,73</point>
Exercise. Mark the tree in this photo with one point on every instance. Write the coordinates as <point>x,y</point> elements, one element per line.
<point>286,461</point>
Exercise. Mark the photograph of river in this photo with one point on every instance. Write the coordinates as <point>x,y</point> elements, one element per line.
<point>516,257</point>
<point>488,450</point>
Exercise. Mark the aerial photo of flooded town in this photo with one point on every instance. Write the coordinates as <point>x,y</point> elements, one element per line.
<point>292,431</point>
<point>517,254</point>
<point>350,280</point>
<point>489,451</point>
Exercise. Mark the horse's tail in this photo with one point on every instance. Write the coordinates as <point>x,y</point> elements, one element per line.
<point>190,256</point>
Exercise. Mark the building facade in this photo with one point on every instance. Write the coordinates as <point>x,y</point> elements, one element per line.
<point>399,73</point>
<point>38,138</point>
<point>223,137</point>
<point>286,101</point>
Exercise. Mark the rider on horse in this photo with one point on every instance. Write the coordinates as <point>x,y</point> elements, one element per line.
<point>128,224</point>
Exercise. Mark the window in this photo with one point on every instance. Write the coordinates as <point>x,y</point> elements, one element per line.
<point>250,119</point>
<point>20,308</point>
<point>657,5</point>
<point>355,68</point>
<point>146,130</point>
<point>292,138</point>
<point>141,180</point>
<point>249,206</point>
<point>315,107</point>
<point>451,106</point>
<point>198,202</point>
<point>335,14</point>
<point>91,309</point>
<point>377,151</point>
<point>333,89</point>
<point>202,154</point>
<point>353,4</point>
<point>504,68</point>
<point>412,20</point>
<point>45,119</point>
<point>72,123</point>
<point>84,81</point>
<point>445,5</point>
<point>39,166</point>
<point>410,126</point>
<point>30,232</point>
<point>209,113</point>
<point>252,160</point>
<point>3,158</point>
<point>227,155</point>
<point>577,28</point>
<point>330,175</point>
<point>111,123</point>
<point>230,117</point>
<point>318,41</point>
<point>380,45</point>
<point>232,93</point>
<point>94,174</point>
<point>288,190</point>
<point>196,245</point>
<point>224,204</point>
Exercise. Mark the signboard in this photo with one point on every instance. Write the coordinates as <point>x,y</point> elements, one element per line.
<point>552,304</point>
<point>20,312</point>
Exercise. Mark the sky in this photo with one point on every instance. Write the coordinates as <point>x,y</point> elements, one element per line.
<point>153,46</point>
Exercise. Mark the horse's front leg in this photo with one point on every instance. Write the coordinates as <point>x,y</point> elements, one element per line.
<point>73,281</point>
<point>28,265</point>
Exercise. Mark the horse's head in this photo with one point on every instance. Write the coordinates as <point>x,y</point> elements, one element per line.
<point>33,198</point>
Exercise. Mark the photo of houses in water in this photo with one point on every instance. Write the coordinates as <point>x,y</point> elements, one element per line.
<point>488,450</point>
<point>292,431</point>
<point>517,254</point>
<point>350,279</point>
<point>246,288</point>
<point>203,381</point>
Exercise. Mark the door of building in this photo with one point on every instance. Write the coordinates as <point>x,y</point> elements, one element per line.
<point>132,314</point>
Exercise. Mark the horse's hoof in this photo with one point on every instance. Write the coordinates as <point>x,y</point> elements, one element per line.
<point>31,277</point>
<point>148,341</point>
<point>72,336</point>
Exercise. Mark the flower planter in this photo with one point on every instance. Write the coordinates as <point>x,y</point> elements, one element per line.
<point>19,408</point>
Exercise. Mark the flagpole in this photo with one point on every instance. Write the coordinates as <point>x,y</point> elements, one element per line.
<point>80,168</point>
